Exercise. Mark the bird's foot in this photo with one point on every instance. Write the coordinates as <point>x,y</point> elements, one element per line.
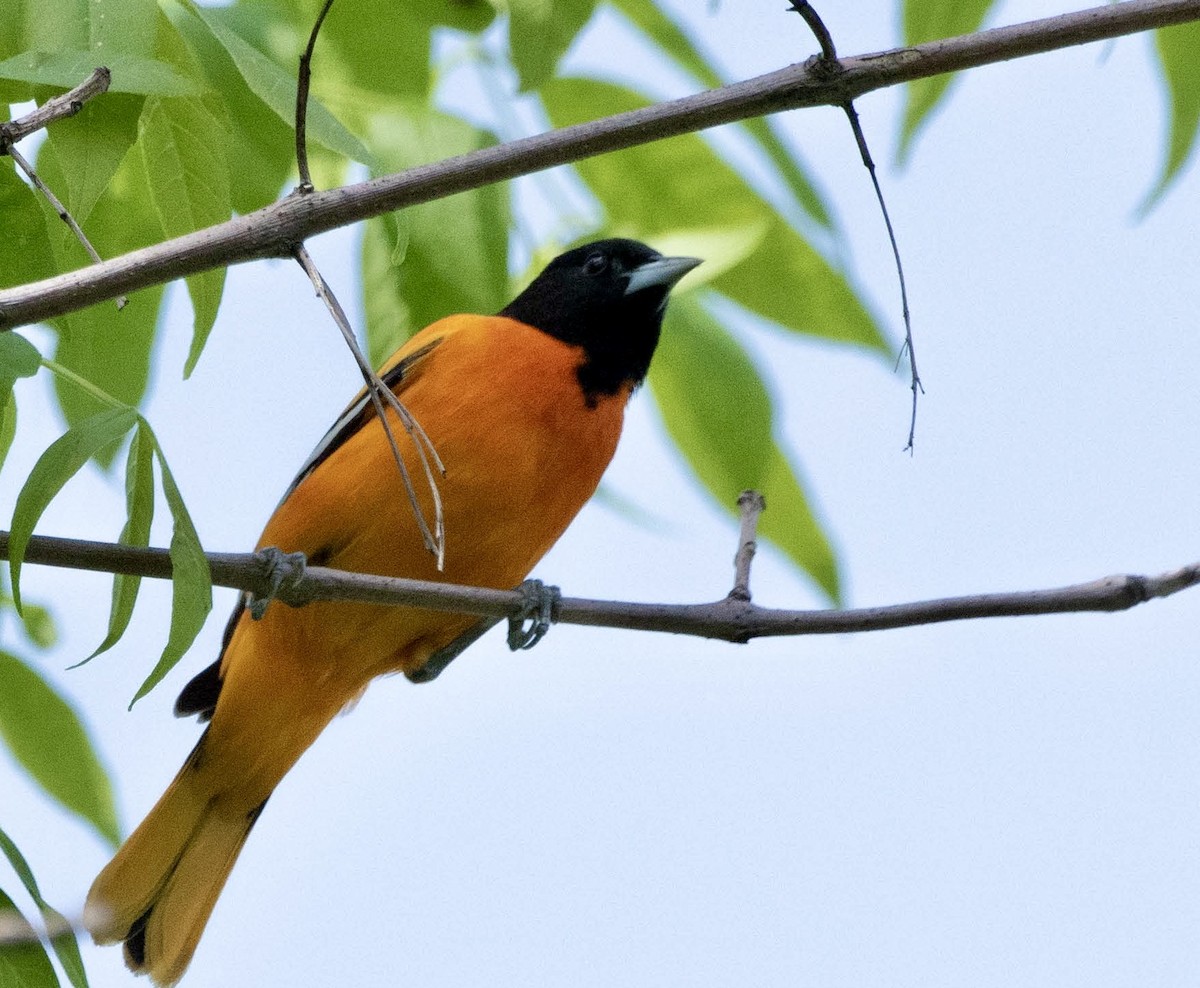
<point>282,570</point>
<point>539,610</point>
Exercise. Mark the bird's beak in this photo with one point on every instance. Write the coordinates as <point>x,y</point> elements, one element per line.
<point>662,272</point>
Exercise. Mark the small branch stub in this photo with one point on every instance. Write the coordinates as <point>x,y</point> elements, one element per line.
<point>55,108</point>
<point>751,504</point>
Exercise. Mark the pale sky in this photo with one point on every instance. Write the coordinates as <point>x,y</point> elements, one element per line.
<point>1009,802</point>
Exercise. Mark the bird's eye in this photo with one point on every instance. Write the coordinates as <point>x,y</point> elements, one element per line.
<point>596,263</point>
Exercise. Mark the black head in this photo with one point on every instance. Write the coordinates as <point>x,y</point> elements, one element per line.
<point>607,297</point>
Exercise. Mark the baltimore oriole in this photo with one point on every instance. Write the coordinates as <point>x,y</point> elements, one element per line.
<point>525,409</point>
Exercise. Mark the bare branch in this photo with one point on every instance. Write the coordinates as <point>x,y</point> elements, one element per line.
<point>274,230</point>
<point>728,619</point>
<point>751,504</point>
<point>63,213</point>
<point>304,79</point>
<point>55,108</point>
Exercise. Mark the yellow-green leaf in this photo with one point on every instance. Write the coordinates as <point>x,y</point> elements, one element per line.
<point>25,964</point>
<point>58,464</point>
<point>65,69</point>
<point>715,407</point>
<point>440,257</point>
<point>63,943</point>
<point>191,583</point>
<point>139,507</point>
<point>1179,54</point>
<point>183,147</point>
<point>47,738</point>
<point>105,345</point>
<point>539,34</point>
<point>672,41</point>
<point>24,246</point>
<point>929,20</point>
<point>276,87</point>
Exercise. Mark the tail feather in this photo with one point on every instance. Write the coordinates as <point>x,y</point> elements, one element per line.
<point>133,880</point>
<point>163,942</point>
<point>156,895</point>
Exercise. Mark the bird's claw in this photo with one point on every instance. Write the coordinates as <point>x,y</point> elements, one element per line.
<point>282,569</point>
<point>539,607</point>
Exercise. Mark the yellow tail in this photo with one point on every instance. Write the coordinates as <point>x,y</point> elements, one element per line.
<point>158,892</point>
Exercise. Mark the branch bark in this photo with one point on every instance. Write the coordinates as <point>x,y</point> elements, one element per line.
<point>729,619</point>
<point>55,108</point>
<point>275,230</point>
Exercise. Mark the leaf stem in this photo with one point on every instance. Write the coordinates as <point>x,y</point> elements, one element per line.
<point>54,367</point>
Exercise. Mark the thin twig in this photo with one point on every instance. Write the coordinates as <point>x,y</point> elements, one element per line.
<point>818,28</point>
<point>273,230</point>
<point>726,619</point>
<point>435,540</point>
<point>751,504</point>
<point>55,108</point>
<point>304,78</point>
<point>829,64</point>
<point>64,214</point>
<point>907,346</point>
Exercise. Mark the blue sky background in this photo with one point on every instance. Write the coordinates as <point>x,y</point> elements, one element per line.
<point>1008,802</point>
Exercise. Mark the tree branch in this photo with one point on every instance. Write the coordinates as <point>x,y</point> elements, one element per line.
<point>728,619</point>
<point>274,230</point>
<point>56,108</point>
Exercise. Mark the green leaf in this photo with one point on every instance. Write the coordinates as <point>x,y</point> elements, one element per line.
<point>12,29</point>
<point>39,626</point>
<point>722,248</point>
<point>395,62</point>
<point>139,506</point>
<point>1177,49</point>
<point>26,964</point>
<point>18,358</point>
<point>191,584</point>
<point>88,148</point>
<point>66,69</point>
<point>8,424</point>
<point>670,39</point>
<point>930,20</point>
<point>183,147</point>
<point>107,346</point>
<point>126,28</point>
<point>716,408</point>
<point>277,89</point>
<point>681,184</point>
<point>260,144</point>
<point>453,253</point>
<point>51,26</point>
<point>787,281</point>
<point>58,464</point>
<point>63,943</point>
<point>24,247</point>
<point>49,741</point>
<point>539,34</point>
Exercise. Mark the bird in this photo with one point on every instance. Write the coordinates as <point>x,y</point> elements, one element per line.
<point>524,409</point>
